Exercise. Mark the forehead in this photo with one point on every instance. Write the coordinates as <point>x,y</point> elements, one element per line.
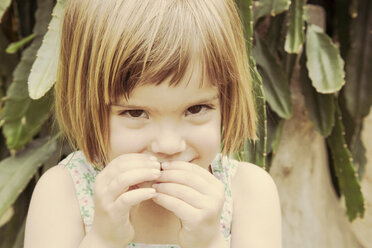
<point>194,82</point>
<point>171,98</point>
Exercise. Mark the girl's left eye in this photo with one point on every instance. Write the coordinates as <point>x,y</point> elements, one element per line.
<point>197,109</point>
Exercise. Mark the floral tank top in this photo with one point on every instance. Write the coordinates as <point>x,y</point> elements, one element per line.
<point>83,175</point>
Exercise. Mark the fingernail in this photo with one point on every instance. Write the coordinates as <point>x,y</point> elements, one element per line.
<point>156,165</point>
<point>165,165</point>
<point>154,193</point>
<point>153,158</point>
<point>156,172</point>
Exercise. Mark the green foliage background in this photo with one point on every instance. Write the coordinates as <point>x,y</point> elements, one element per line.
<point>335,79</point>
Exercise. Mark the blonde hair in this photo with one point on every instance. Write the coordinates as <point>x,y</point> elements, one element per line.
<point>109,47</point>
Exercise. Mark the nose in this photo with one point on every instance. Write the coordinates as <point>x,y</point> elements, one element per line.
<point>168,141</point>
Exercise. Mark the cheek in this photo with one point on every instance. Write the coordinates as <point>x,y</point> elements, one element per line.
<point>207,137</point>
<point>207,140</point>
<point>124,140</point>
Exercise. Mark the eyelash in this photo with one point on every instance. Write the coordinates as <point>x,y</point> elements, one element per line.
<point>205,106</point>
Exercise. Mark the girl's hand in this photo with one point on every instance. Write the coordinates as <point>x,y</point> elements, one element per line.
<point>196,197</point>
<point>113,198</point>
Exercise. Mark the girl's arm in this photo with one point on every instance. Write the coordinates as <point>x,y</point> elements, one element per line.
<point>256,213</point>
<point>54,218</point>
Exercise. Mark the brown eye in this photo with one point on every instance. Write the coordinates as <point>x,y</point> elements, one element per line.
<point>135,113</point>
<point>195,109</point>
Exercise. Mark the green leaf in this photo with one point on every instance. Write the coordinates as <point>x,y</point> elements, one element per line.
<point>353,131</point>
<point>245,9</point>
<point>345,172</point>
<point>296,25</point>
<point>19,241</point>
<point>16,172</point>
<point>22,116</point>
<point>275,82</point>
<point>44,70</point>
<point>15,46</point>
<point>7,62</point>
<point>358,151</point>
<point>254,152</point>
<point>21,131</point>
<point>324,63</point>
<point>12,234</point>
<point>358,89</point>
<point>274,131</point>
<point>5,218</point>
<point>275,32</point>
<point>4,4</point>
<point>320,107</point>
<point>270,7</point>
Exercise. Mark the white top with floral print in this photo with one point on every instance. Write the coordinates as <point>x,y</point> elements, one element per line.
<point>83,174</point>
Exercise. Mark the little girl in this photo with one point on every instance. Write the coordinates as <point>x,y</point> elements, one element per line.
<point>147,91</point>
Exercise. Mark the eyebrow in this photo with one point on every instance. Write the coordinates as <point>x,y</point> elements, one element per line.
<point>200,101</point>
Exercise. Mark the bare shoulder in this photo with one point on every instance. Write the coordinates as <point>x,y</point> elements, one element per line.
<point>250,177</point>
<point>53,218</point>
<point>256,206</point>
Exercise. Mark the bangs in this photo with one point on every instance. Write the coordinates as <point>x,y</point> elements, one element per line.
<point>161,48</point>
<point>110,47</point>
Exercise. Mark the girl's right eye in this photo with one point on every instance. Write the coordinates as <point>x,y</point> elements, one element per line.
<point>134,113</point>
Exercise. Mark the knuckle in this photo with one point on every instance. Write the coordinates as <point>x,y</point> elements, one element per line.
<point>98,189</point>
<point>209,214</point>
<point>107,207</point>
<point>161,186</point>
<point>187,177</point>
<point>164,175</point>
<point>112,163</point>
<point>189,195</point>
<point>214,208</point>
<point>201,216</point>
<point>122,156</point>
<point>118,179</point>
<point>124,201</point>
<point>179,192</point>
<point>100,202</point>
<point>178,206</point>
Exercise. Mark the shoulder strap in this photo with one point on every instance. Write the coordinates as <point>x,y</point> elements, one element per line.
<point>224,169</point>
<point>83,176</point>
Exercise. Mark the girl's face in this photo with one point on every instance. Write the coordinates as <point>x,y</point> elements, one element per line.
<point>172,123</point>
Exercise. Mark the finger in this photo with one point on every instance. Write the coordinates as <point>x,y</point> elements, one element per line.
<point>182,192</point>
<point>133,197</point>
<point>180,208</point>
<point>193,168</point>
<point>127,162</point>
<point>123,181</point>
<point>187,178</point>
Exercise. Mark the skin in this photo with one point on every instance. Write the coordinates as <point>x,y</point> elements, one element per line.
<point>138,191</point>
<point>163,139</point>
<point>174,123</point>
